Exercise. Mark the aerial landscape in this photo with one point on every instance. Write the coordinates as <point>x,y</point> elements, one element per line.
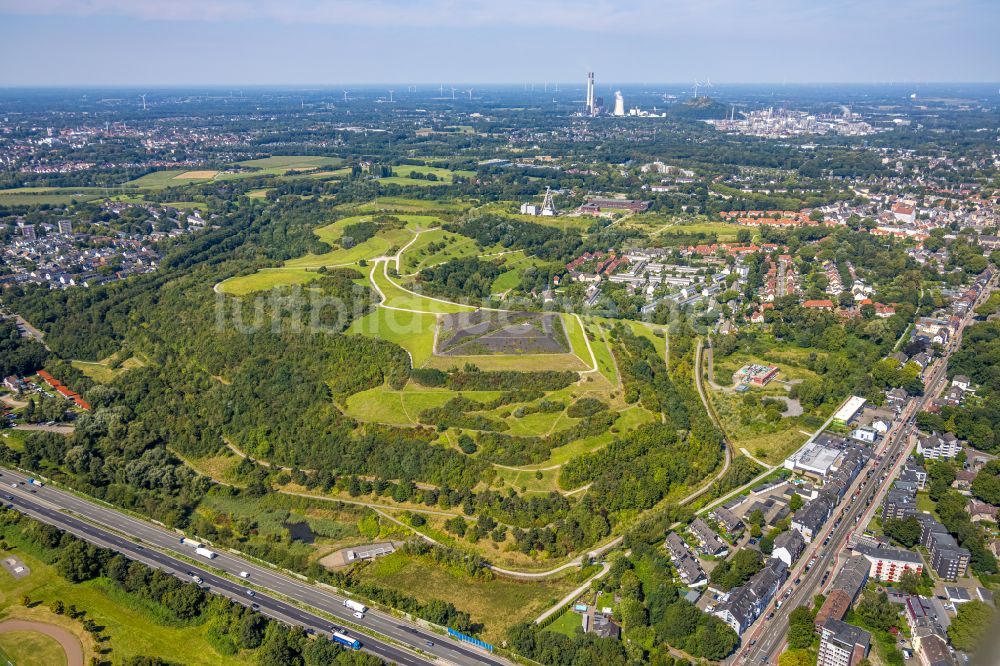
<point>517,358</point>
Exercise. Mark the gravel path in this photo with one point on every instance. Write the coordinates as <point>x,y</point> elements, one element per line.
<point>70,644</point>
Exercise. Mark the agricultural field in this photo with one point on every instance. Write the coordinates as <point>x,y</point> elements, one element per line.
<point>403,175</point>
<point>441,173</point>
<point>159,180</point>
<point>204,174</point>
<point>282,163</point>
<point>268,166</point>
<point>34,196</point>
<point>498,604</point>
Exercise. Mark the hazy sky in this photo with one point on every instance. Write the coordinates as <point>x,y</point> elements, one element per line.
<point>162,42</point>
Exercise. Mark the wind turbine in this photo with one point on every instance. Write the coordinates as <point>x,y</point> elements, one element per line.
<point>470,94</point>
<point>143,96</point>
<point>453,89</point>
<point>696,86</point>
<point>390,95</point>
<point>345,96</point>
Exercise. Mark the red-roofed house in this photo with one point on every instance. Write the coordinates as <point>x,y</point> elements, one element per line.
<point>819,304</point>
<point>884,311</point>
<point>904,213</point>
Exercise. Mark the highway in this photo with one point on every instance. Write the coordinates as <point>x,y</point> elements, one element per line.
<point>159,547</point>
<point>766,639</point>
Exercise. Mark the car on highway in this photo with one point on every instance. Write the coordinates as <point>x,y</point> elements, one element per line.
<point>429,643</point>
<point>197,579</point>
<point>251,593</point>
<point>244,574</point>
<point>359,615</point>
<point>255,606</point>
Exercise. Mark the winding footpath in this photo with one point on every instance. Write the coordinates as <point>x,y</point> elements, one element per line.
<point>598,551</point>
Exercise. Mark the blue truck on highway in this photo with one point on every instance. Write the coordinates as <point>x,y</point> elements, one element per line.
<point>346,641</point>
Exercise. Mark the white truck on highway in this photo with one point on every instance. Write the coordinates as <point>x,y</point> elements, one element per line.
<point>205,552</point>
<point>355,606</point>
<point>191,542</point>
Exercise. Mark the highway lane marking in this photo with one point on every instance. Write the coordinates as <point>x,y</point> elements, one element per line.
<point>155,559</point>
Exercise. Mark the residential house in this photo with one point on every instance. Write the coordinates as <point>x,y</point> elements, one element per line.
<point>842,644</point>
<point>896,399</point>
<point>932,650</point>
<point>899,503</point>
<point>948,559</point>
<point>788,546</point>
<point>913,473</point>
<point>709,540</point>
<point>937,447</point>
<point>685,562</point>
<point>728,520</point>
<point>889,564</point>
<point>810,518</point>
<point>962,382</point>
<point>604,627</point>
<point>980,511</point>
<point>745,603</point>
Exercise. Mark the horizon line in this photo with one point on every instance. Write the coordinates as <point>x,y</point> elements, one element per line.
<point>508,84</point>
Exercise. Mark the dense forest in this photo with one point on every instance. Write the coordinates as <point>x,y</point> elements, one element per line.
<point>19,355</point>
<point>976,421</point>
